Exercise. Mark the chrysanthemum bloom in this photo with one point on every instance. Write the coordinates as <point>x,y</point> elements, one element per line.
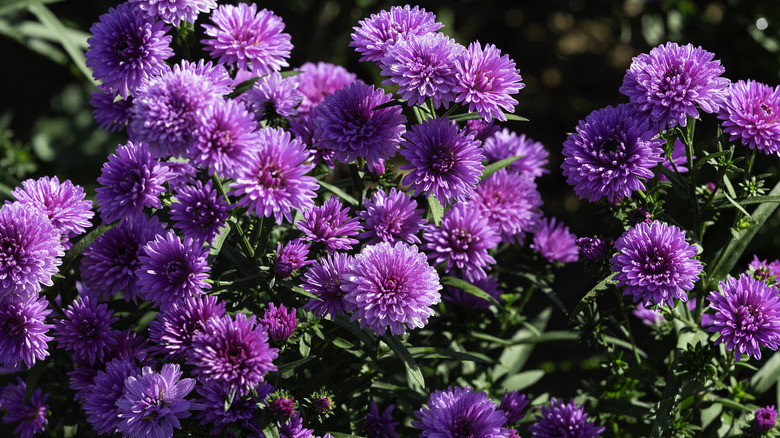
<point>764,271</point>
<point>282,406</point>
<point>293,428</point>
<point>462,298</point>
<point>101,396</point>
<point>248,39</point>
<point>153,403</point>
<point>30,251</point>
<point>109,264</point>
<point>292,256</point>
<point>506,144</point>
<point>460,412</point>
<point>513,404</point>
<point>331,225</point>
<point>110,114</point>
<point>380,426</point>
<point>219,408</point>
<point>273,95</point>
<point>423,67</point>
<point>324,279</point>
<point>486,80</point>
<point>655,263</point>
<point>232,352</point>
<point>174,11</point>
<point>463,241</point>
<point>280,322</point>
<point>375,34</point>
<point>567,420</point>
<point>591,249</point>
<point>222,82</point>
<point>747,316</point>
<point>751,114</point>
<point>200,211</point>
<point>127,48</point>
<point>444,161</point>
<point>23,331</point>
<point>765,420</point>
<point>31,416</point>
<point>348,123</point>
<point>510,201</point>
<point>315,81</point>
<point>390,286</point>
<point>648,317</point>
<point>554,242</point>
<point>183,174</point>
<point>173,329</point>
<point>668,84</point>
<point>391,217</point>
<point>86,330</point>
<point>609,153</point>
<point>274,180</point>
<point>172,270</point>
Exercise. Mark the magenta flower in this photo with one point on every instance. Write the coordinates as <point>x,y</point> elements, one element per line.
<point>292,256</point>
<point>486,81</point>
<point>765,420</point>
<point>280,322</point>
<point>505,144</point>
<point>200,211</point>
<point>23,331</point>
<point>331,225</point>
<point>174,11</point>
<point>174,329</point>
<point>324,279</point>
<point>751,114</point>
<point>391,217</point>
<point>510,201</point>
<point>554,242</point>
<point>567,420</point>
<point>273,96</point>
<point>315,81</point>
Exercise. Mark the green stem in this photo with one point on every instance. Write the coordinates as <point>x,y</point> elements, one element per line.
<point>250,253</point>
<point>628,326</point>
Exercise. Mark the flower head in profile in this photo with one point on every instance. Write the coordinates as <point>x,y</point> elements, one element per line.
<point>391,217</point>
<point>380,425</point>
<point>513,404</point>
<point>554,242</point>
<point>486,80</point>
<point>567,420</point>
<point>292,256</point>
<point>280,321</point>
<point>101,396</point>
<point>174,328</point>
<point>648,317</point>
<point>765,420</point>
<point>174,11</point>
<point>86,329</point>
<point>331,225</point>
<point>511,201</point>
<point>324,279</point>
<point>462,413</point>
<point>110,114</point>
<point>23,330</point>
<point>315,81</point>
<point>505,144</point>
<point>375,34</point>
<point>751,115</point>
<point>30,416</point>
<point>199,212</point>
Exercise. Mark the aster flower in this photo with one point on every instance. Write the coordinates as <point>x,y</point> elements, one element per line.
<point>747,316</point>
<point>101,396</point>
<point>349,123</point>
<point>232,352</point>
<point>380,426</point>
<point>391,217</point>
<point>765,420</point>
<point>510,201</point>
<point>315,81</point>
<point>506,144</point>
<point>200,212</point>
<point>668,84</point>
<point>30,252</point>
<point>273,94</point>
<point>463,241</point>
<point>23,331</point>
<point>591,249</point>
<point>31,416</point>
<point>273,181</point>
<point>750,114</point>
<point>331,225</point>
<point>174,329</point>
<point>86,330</point>
<point>292,256</point>
<point>513,404</point>
<point>655,263</point>
<point>460,412</point>
<point>486,80</point>
<point>126,49</point>
<point>648,317</point>
<point>444,161</point>
<point>462,298</point>
<point>678,160</point>
<point>764,271</point>
<point>220,409</point>
<point>567,420</point>
<point>153,403</point>
<point>280,322</point>
<point>390,286</point>
<point>281,405</point>
<point>221,81</point>
<point>243,37</point>
<point>482,129</point>
<point>554,242</point>
<point>174,11</point>
<point>293,428</point>
<point>324,279</point>
<point>609,153</point>
<point>110,114</point>
<point>375,34</point>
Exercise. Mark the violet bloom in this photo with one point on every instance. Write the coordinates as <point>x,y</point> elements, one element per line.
<point>591,249</point>
<point>101,396</point>
<point>280,322</point>
<point>31,416</point>
<point>764,271</point>
<point>126,49</point>
<point>648,317</point>
<point>463,241</point>
<point>460,412</point>
<point>292,256</point>
<point>324,279</point>
<point>375,34</point>
<point>391,217</point>
<point>668,84</point>
<point>331,225</point>
<point>110,114</point>
<point>750,114</point>
<point>293,428</point>
<point>173,11</point>
<point>510,201</point>
<point>348,123</point>
<point>23,331</point>
<point>248,39</point>
<point>506,144</point>
<point>220,408</point>
<point>273,95</point>
<point>315,81</point>
<point>513,404</point>
<point>554,242</point>
<point>486,81</point>
<point>482,129</point>
<point>765,420</point>
<point>174,329</point>
<point>380,426</point>
<point>444,161</point>
<point>747,316</point>
<point>153,403</point>
<point>200,212</point>
<point>390,286</point>
<point>273,181</point>
<point>86,329</point>
<point>224,138</point>
<point>678,160</point>
<point>609,153</point>
<point>282,406</point>
<point>567,420</point>
<point>655,264</point>
<point>469,301</point>
<point>233,352</point>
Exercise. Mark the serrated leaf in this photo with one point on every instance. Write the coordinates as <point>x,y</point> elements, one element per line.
<point>413,372</point>
<point>498,165</point>
<point>471,289</point>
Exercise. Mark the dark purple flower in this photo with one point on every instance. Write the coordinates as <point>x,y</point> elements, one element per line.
<point>174,329</point>
<point>200,211</point>
<point>554,242</point>
<point>667,84</point>
<point>513,404</point>
<point>375,34</point>
<point>380,426</point>
<point>764,271</point>
<point>564,420</point>
<point>747,316</point>
<point>323,403</point>
<point>23,331</point>
<point>273,95</point>
<point>648,316</point>
<point>591,249</point>
<point>290,257</point>
<point>126,49</point>
<point>486,80</point>
<point>765,420</point>
<point>31,416</point>
<point>459,412</point>
<point>510,201</point>
<point>224,138</point>
<point>280,322</point>
<point>86,330</point>
<point>750,114</point>
<point>324,279</point>
<point>174,11</point>
<point>609,153</point>
<point>293,428</point>
<point>331,225</point>
<point>391,217</point>
<point>482,129</point>
<point>315,81</point>
<point>506,144</point>
<point>101,396</point>
<point>112,115</point>
<point>390,286</point>
<point>444,161</point>
<point>282,406</point>
<point>218,407</point>
<point>462,298</point>
<point>655,264</point>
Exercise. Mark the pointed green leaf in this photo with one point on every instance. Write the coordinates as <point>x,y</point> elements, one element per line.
<point>413,372</point>
<point>498,165</point>
<point>338,192</point>
<point>471,289</point>
<point>50,20</point>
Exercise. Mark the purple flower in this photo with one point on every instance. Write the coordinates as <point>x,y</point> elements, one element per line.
<point>389,286</point>
<point>765,420</point>
<point>172,270</point>
<point>200,212</point>
<point>174,329</point>
<point>273,181</point>
<point>273,95</point>
<point>315,81</point>
<point>609,153</point>
<point>292,256</point>
<point>555,243</point>
<point>126,49</point>
<point>566,420</point>
<point>678,160</point>
<point>282,406</point>
<point>30,251</point>
<point>217,406</point>
<point>655,263</point>
<point>506,144</point>
<point>293,428</point>
<point>463,241</point>
<point>221,81</point>
<point>248,39</point>
<point>510,201</point>
<point>31,416</point>
<point>153,403</point>
<point>513,404</point>
<point>648,316</point>
<point>667,84</point>
<point>591,249</point>
<point>764,271</point>
<point>101,396</point>
<point>330,224</point>
<point>23,331</point>
<point>234,353</point>
<point>110,114</point>
<point>380,426</point>
<point>375,34</point>
<point>482,129</point>
<point>224,139</point>
<point>280,322</point>
<point>174,11</point>
<point>486,81</point>
<point>747,316</point>
<point>444,161</point>
<point>86,330</point>
<point>462,413</point>
<point>750,114</point>
<point>391,218</point>
<point>348,123</point>
<point>462,298</point>
<point>324,279</point>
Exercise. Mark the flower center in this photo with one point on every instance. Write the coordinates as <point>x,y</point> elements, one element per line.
<point>461,239</point>
<point>749,319</point>
<point>271,177</point>
<point>612,151</point>
<point>655,264</point>
<point>461,428</point>
<point>442,162</point>
<point>766,109</point>
<point>175,271</point>
<point>201,214</point>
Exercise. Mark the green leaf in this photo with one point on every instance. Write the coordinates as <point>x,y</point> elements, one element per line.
<point>679,184</point>
<point>338,192</point>
<point>516,355</point>
<point>733,202</point>
<point>473,290</point>
<point>445,353</point>
<point>436,210</point>
<point>520,381</point>
<point>701,162</point>
<point>756,200</point>
<point>464,117</point>
<point>413,372</point>
<point>665,407</point>
<point>498,165</point>
<point>515,118</point>
<point>82,244</point>
<point>768,375</point>
<point>592,296</point>
<point>270,431</point>
<point>243,87</point>
<point>732,404</point>
<point>8,6</point>
<point>289,366</point>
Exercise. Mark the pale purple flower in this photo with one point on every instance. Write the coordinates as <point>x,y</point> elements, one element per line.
<point>564,420</point>
<point>23,331</point>
<point>375,34</point>
<point>648,317</point>
<point>380,426</point>
<point>751,114</point>
<point>510,201</point>
<point>101,396</point>
<point>174,329</point>
<point>331,225</point>
<point>174,11</point>
<point>506,144</point>
<point>200,211</point>
<point>273,95</point>
<point>280,322</point>
<point>462,413</point>
<point>554,242</point>
<point>486,80</point>
<point>86,330</point>
<point>391,217</point>
<point>315,81</point>
<point>324,279</point>
<point>31,416</point>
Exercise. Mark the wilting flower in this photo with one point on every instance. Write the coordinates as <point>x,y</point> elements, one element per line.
<point>86,329</point>
<point>391,217</point>
<point>506,144</point>
<point>315,81</point>
<point>460,412</point>
<point>324,279</point>
<point>31,416</point>
<point>378,32</point>
<point>174,11</point>
<point>331,225</point>
<point>174,329</point>
<point>380,426</point>
<point>765,420</point>
<point>567,420</point>
<point>101,396</point>
<point>554,242</point>
<point>200,211</point>
<point>752,115</point>
<point>23,331</point>
<point>511,202</point>
<point>486,81</point>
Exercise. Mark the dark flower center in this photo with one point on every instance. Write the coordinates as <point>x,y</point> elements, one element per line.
<point>655,264</point>
<point>766,108</point>
<point>612,150</point>
<point>357,131</point>
<point>13,327</point>
<point>87,330</point>
<point>201,214</point>
<point>461,239</point>
<point>461,428</point>
<point>271,177</point>
<point>9,250</point>
<point>333,289</point>
<point>221,140</point>
<point>442,162</point>
<point>749,319</point>
<point>391,284</point>
<point>176,271</point>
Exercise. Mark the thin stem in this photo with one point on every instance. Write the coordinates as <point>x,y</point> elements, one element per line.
<point>249,252</point>
<point>628,326</point>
